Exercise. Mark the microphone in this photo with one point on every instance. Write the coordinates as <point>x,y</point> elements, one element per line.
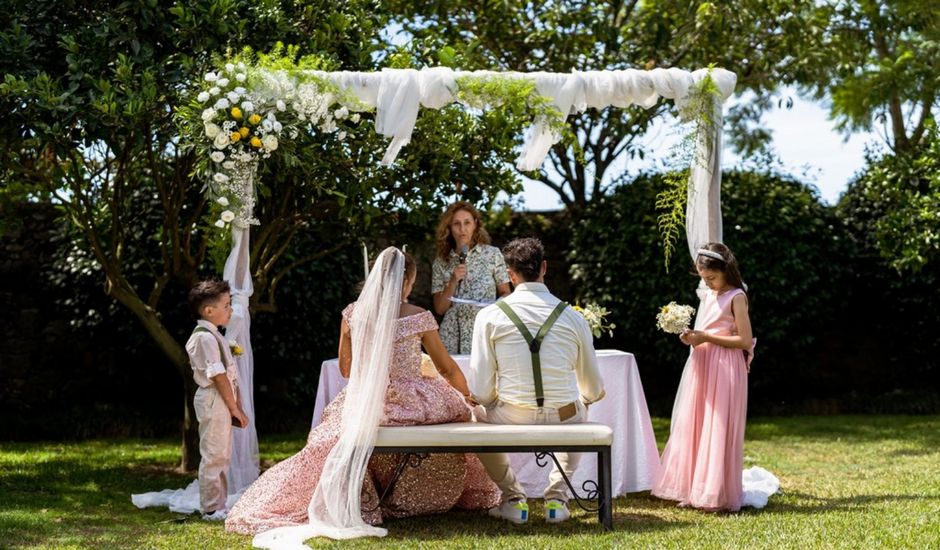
<point>462,259</point>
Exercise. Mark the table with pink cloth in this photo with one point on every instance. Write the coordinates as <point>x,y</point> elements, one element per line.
<point>635,458</point>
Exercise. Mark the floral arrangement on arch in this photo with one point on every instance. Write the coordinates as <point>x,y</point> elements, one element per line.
<point>241,114</point>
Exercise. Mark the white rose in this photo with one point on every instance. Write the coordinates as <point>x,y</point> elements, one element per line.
<point>211,77</point>
<point>217,156</point>
<point>223,82</point>
<point>267,125</point>
<point>220,224</point>
<point>221,104</point>
<point>219,177</point>
<point>227,216</point>
<point>229,165</point>
<point>233,97</point>
<point>202,97</point>
<point>214,90</point>
<point>277,126</point>
<point>269,142</point>
<point>355,117</point>
<point>281,106</point>
<point>222,200</point>
<point>241,65</point>
<point>229,67</point>
<point>208,114</point>
<point>341,135</point>
<point>248,106</point>
<point>212,130</point>
<point>221,141</point>
<point>240,90</point>
<point>341,113</point>
<point>240,77</point>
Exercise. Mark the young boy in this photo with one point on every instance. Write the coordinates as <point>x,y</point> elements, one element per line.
<point>216,401</point>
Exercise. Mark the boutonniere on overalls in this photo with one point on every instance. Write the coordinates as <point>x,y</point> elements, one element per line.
<point>237,350</point>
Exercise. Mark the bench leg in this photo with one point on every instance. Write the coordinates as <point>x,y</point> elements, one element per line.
<point>605,512</point>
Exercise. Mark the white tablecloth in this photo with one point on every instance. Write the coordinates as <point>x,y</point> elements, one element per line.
<point>635,458</point>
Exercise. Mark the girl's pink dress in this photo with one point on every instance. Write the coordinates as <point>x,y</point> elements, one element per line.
<point>281,495</point>
<point>702,459</point>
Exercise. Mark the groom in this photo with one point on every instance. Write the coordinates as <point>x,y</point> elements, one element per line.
<point>515,382</point>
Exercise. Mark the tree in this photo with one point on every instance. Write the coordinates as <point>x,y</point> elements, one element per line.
<point>89,127</point>
<point>883,60</point>
<point>760,41</point>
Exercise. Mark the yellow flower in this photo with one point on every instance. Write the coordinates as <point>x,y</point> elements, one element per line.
<point>254,119</point>
<point>237,350</point>
<point>255,142</point>
<point>235,137</point>
<point>243,131</point>
<point>236,113</point>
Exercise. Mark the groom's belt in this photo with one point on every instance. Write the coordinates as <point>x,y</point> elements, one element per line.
<point>564,411</point>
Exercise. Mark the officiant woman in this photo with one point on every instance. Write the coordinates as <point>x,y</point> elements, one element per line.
<point>466,268</point>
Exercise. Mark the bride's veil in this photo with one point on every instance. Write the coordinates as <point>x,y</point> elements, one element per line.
<point>334,510</point>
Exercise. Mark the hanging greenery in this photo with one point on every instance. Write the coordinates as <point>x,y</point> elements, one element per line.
<point>697,117</point>
<point>514,95</point>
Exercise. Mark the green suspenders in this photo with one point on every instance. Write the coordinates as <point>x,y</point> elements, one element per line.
<point>535,343</point>
<point>221,348</point>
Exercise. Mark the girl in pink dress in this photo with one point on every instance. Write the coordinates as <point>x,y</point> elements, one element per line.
<point>703,457</point>
<point>280,497</point>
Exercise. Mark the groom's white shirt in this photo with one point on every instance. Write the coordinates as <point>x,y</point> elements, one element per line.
<point>501,364</point>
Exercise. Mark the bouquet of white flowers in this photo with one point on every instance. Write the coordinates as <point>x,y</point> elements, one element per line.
<point>674,318</point>
<point>595,316</point>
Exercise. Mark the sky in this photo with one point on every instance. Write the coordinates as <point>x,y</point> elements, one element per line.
<point>804,139</point>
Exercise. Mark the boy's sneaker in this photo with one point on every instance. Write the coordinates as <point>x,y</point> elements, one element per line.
<point>516,511</point>
<point>556,511</point>
<point>218,515</point>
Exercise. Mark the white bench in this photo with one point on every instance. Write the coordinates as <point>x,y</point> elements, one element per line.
<point>544,440</point>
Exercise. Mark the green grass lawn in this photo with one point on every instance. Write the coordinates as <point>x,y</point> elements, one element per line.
<point>847,482</point>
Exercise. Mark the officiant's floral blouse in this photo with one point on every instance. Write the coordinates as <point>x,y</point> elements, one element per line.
<point>485,270</point>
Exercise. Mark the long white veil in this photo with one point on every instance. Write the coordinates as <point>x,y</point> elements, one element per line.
<point>334,510</point>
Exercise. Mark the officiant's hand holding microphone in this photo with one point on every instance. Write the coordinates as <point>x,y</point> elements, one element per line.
<point>460,272</point>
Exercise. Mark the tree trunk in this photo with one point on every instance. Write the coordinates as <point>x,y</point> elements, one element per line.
<point>189,450</point>
<point>122,292</point>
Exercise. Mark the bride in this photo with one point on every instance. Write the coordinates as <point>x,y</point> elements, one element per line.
<point>331,487</point>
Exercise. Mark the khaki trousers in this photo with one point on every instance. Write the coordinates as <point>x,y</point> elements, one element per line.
<point>215,446</point>
<point>497,464</point>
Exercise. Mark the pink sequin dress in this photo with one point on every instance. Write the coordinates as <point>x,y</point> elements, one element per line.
<point>702,459</point>
<point>442,481</point>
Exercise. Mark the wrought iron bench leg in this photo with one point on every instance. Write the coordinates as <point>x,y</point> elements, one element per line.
<point>605,512</point>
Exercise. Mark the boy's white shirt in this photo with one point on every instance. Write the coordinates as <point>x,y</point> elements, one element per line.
<point>203,351</point>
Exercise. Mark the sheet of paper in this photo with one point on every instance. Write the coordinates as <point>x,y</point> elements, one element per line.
<point>476,303</point>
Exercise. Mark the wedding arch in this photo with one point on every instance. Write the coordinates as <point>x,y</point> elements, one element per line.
<point>241,114</point>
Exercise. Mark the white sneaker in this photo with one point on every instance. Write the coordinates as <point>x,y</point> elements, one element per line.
<point>218,515</point>
<point>556,511</point>
<point>516,511</point>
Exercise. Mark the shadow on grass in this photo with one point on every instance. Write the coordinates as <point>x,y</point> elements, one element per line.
<point>631,515</point>
<point>805,503</point>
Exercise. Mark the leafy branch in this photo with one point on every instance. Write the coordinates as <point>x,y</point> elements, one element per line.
<point>697,115</point>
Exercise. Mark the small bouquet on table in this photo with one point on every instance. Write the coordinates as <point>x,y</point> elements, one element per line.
<point>596,317</point>
<point>674,318</point>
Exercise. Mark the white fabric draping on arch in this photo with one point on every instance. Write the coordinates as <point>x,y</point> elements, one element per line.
<point>398,94</point>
